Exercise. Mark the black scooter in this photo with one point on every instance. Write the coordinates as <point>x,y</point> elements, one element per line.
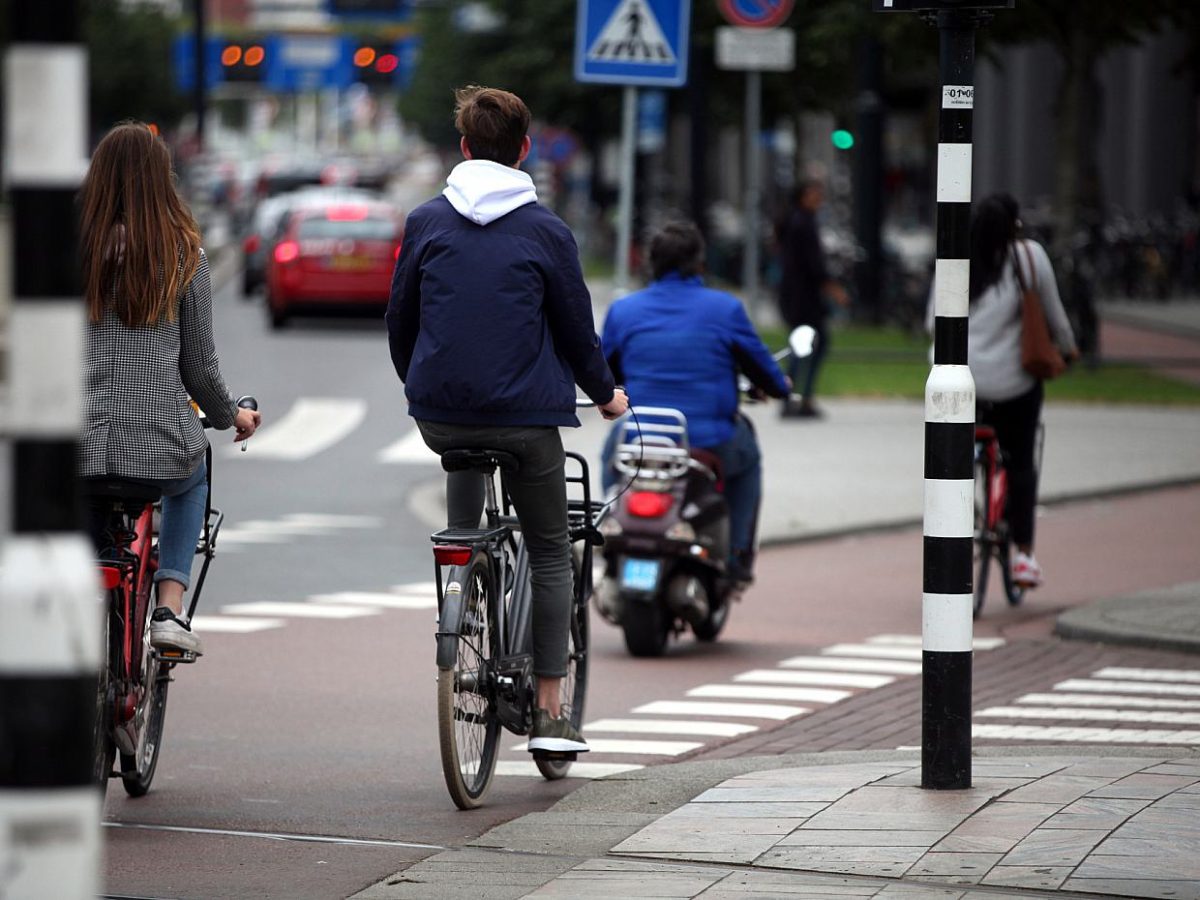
<point>667,540</point>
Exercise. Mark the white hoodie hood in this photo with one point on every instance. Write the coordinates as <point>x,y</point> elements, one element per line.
<point>483,191</point>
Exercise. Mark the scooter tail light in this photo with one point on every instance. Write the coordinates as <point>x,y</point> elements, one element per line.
<point>649,504</point>
<point>451,554</point>
<point>110,578</point>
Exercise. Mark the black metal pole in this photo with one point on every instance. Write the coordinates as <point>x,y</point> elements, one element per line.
<point>50,636</point>
<point>950,433</point>
<point>200,91</point>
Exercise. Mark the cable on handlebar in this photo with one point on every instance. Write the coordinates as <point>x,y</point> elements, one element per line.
<point>641,458</point>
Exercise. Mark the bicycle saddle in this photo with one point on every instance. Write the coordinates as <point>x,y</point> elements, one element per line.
<point>486,461</point>
<point>109,487</point>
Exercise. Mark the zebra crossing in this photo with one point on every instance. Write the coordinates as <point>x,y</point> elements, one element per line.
<point>1113,705</point>
<point>758,698</point>
<point>236,536</point>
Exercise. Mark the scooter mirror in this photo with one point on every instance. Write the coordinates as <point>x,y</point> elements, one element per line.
<point>801,341</point>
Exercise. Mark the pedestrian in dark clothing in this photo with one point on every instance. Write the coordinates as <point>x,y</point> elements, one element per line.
<point>803,289</point>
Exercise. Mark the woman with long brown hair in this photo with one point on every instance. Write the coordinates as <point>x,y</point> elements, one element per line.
<point>149,351</point>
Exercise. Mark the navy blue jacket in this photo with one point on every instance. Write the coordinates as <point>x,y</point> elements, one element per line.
<point>680,344</point>
<point>492,324</point>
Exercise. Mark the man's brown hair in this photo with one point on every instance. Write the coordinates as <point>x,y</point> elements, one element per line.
<point>493,121</point>
<point>677,247</point>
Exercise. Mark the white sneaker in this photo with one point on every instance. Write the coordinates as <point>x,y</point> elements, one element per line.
<point>167,631</point>
<point>1025,570</point>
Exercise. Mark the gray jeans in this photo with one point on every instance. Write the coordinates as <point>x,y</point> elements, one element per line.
<point>539,496</point>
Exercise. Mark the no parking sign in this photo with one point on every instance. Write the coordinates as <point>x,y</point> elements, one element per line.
<point>756,13</point>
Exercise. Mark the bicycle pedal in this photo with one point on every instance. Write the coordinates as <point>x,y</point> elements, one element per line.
<point>172,655</point>
<point>555,755</point>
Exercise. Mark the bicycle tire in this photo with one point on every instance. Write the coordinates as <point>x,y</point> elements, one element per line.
<point>103,749</point>
<point>1013,592</point>
<point>573,695</point>
<point>982,543</point>
<point>469,752</point>
<point>137,774</point>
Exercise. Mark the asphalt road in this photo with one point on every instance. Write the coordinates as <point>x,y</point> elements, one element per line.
<point>300,757</point>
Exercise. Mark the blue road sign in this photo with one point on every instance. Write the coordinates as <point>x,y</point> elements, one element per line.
<point>308,62</point>
<point>183,58</point>
<point>632,42</point>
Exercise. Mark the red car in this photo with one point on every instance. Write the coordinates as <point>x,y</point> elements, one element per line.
<point>341,254</point>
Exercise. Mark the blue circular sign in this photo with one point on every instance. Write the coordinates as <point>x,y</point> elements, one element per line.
<point>756,13</point>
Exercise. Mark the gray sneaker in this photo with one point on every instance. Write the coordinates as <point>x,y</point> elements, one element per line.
<point>555,735</point>
<point>168,632</point>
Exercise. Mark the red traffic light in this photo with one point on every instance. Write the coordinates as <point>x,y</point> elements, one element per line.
<point>387,63</point>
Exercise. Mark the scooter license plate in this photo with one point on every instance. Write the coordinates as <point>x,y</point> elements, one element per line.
<point>640,574</point>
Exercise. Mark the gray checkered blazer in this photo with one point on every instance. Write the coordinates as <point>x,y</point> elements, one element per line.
<point>138,422</point>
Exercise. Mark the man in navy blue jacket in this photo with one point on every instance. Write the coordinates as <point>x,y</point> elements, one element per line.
<point>680,345</point>
<point>490,327</point>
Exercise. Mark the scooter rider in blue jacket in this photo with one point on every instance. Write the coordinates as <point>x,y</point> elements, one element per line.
<point>680,345</point>
<point>490,327</point>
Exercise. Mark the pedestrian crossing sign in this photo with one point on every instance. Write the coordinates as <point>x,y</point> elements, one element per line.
<point>637,42</point>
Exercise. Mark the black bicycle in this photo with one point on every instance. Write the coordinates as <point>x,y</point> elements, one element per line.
<point>484,636</point>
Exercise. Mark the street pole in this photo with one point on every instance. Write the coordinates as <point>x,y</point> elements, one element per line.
<point>753,202</point>
<point>950,432</point>
<point>50,808</point>
<point>200,92</point>
<point>625,199</point>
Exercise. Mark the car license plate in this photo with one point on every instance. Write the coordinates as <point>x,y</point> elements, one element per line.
<point>348,263</point>
<point>640,574</point>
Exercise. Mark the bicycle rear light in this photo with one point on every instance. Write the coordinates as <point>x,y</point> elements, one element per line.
<point>649,504</point>
<point>110,578</point>
<point>451,554</point>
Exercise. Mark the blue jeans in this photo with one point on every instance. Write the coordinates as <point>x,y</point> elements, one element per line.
<point>183,504</point>
<point>741,461</point>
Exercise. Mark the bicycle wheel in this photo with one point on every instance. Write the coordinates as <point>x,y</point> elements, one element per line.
<point>1013,592</point>
<point>982,545</point>
<point>574,685</point>
<point>137,768</point>
<point>468,728</point>
<point>103,749</point>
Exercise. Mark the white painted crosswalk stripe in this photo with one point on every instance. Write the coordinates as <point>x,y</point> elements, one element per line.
<point>879,651</point>
<point>410,450</point>
<point>1087,735</point>
<point>233,624</point>
<point>765,692</point>
<point>722,710</point>
<point>852,664</point>
<point>286,528</point>
<point>915,640</point>
<point>831,679</point>
<point>635,748</point>
<point>1108,700</point>
<point>528,769</point>
<point>369,599</point>
<point>1185,675</point>
<point>312,424</point>
<point>667,726</point>
<point>1127,687</point>
<point>298,610</point>
<point>1075,713</point>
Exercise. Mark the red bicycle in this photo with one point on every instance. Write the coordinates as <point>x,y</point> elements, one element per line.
<point>131,697</point>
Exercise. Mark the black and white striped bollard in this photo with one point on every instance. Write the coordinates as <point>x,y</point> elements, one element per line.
<point>946,628</point>
<point>49,593</point>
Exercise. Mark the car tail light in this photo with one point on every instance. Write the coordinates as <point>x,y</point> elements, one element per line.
<point>451,554</point>
<point>649,504</point>
<point>110,578</point>
<point>251,244</point>
<point>346,213</point>
<point>286,251</point>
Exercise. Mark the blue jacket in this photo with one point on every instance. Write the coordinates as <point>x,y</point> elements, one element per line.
<point>680,344</point>
<point>489,320</point>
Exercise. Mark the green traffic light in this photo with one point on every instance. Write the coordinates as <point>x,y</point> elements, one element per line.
<point>842,139</point>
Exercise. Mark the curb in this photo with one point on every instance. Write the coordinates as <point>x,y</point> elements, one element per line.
<point>1167,619</point>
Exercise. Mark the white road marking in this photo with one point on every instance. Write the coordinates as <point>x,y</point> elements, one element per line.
<point>1108,700</point>
<point>850,664</point>
<point>1186,675</point>
<point>1086,735</point>
<point>667,726</point>
<point>235,535</point>
<point>312,424</point>
<point>367,598</point>
<point>272,836</point>
<point>1157,717</point>
<point>914,640</point>
<point>1127,687</point>
<point>409,449</point>
<point>237,625</point>
<point>749,692</point>
<point>299,610</point>
<point>333,520</point>
<point>879,651</point>
<point>727,710</point>
<point>636,748</point>
<point>281,526</point>
<point>416,588</point>
<point>578,769</point>
<point>833,679</point>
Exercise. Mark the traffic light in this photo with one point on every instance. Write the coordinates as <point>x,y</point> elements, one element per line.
<point>376,64</point>
<point>842,139</point>
<point>244,60</point>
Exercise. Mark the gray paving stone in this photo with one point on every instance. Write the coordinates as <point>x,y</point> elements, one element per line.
<point>888,821</point>
<point>1021,768</point>
<point>1114,767</point>
<point>913,800</point>
<point>606,880</point>
<point>919,892</point>
<point>1128,887</point>
<point>1178,800</point>
<point>1184,867</point>
<point>1176,767</point>
<point>1058,788</point>
<point>961,843</point>
<point>683,844</point>
<point>1144,786</point>
<point>1054,847</point>
<point>577,834</point>
<point>794,858</point>
<point>968,865</point>
<point>1096,812</point>
<point>1006,820</point>
<point>819,837</point>
<point>773,794</point>
<point>795,811</point>
<point>1042,877</point>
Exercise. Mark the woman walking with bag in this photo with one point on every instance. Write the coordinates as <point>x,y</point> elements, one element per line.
<point>1005,270</point>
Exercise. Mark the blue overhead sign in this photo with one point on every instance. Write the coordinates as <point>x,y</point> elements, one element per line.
<point>632,42</point>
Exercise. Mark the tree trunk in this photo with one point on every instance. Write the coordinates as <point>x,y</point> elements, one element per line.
<point>1078,200</point>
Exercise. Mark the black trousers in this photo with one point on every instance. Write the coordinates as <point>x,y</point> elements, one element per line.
<point>1016,423</point>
